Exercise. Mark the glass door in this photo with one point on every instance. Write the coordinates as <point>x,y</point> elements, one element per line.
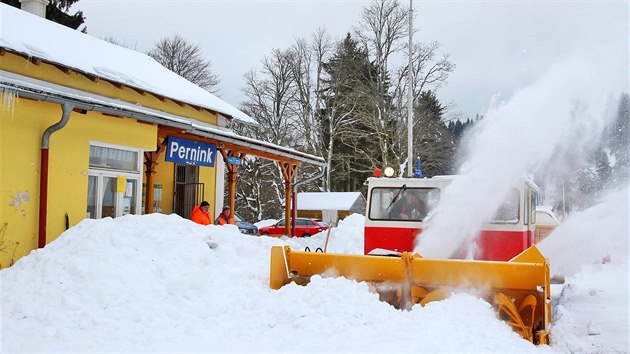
<point>108,197</point>
<point>91,197</point>
<point>111,195</point>
<point>130,197</point>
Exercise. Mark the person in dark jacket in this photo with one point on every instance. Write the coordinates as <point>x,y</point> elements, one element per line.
<point>225,217</point>
<point>201,214</point>
<point>410,207</point>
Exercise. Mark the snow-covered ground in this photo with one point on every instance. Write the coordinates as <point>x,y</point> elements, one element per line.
<point>153,283</point>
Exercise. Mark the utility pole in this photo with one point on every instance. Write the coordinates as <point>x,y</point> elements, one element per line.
<point>410,98</point>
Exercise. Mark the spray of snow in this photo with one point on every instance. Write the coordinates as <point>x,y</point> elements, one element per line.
<point>566,110</point>
<point>595,234</point>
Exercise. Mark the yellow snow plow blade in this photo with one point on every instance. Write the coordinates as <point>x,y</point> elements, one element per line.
<point>519,289</point>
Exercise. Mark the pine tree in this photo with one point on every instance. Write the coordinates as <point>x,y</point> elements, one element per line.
<point>347,132</point>
<point>57,11</point>
<point>433,141</point>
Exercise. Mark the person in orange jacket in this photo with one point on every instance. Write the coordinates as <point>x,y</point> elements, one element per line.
<point>225,217</point>
<point>201,214</point>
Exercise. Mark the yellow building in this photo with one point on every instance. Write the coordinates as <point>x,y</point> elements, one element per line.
<point>85,124</point>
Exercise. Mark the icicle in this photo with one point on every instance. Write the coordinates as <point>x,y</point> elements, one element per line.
<point>7,96</point>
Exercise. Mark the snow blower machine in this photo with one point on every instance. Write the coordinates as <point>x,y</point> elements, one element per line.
<point>507,270</point>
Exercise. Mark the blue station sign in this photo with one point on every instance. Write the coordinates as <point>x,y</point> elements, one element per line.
<point>234,160</point>
<point>190,152</point>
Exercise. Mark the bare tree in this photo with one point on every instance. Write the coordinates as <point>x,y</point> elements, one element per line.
<point>302,66</point>
<point>272,100</point>
<point>429,71</point>
<point>309,58</point>
<point>120,43</point>
<point>186,60</point>
<point>384,30</point>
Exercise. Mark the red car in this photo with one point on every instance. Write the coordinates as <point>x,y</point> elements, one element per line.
<point>303,227</point>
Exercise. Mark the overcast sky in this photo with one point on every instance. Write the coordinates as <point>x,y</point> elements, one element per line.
<point>497,46</point>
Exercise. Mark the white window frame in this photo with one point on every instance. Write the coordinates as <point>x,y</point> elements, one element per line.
<point>100,173</point>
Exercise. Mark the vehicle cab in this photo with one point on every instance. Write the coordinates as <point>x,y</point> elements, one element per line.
<point>398,208</point>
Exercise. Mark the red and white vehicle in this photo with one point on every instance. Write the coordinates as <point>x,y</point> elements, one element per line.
<point>388,226</point>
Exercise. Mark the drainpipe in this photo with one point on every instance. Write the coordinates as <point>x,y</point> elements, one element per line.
<point>294,197</point>
<point>43,181</point>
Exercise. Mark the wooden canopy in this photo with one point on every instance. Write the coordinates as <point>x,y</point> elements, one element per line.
<point>237,147</point>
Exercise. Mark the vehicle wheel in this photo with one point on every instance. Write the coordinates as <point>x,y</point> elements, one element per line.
<point>306,235</point>
<point>265,234</point>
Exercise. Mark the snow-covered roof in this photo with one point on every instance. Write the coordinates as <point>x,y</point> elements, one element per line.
<point>327,200</point>
<point>37,37</point>
<point>47,91</point>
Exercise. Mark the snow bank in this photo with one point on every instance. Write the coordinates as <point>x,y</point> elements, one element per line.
<point>591,315</point>
<point>153,283</point>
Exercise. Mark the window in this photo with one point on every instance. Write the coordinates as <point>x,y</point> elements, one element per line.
<point>402,203</point>
<point>114,159</point>
<point>508,211</point>
<point>533,202</point>
<point>114,179</point>
<point>302,222</point>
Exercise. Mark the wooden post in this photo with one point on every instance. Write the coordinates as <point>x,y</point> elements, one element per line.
<point>150,162</point>
<point>288,171</point>
<point>232,170</point>
<point>232,173</point>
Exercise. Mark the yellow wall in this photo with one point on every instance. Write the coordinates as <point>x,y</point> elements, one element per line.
<point>207,175</point>
<point>69,159</point>
<point>19,183</point>
<point>20,144</point>
<point>165,176</point>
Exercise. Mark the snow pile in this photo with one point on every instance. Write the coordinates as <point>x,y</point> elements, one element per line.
<point>591,315</point>
<point>162,283</point>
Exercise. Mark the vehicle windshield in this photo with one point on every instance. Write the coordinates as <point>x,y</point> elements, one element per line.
<point>402,203</point>
<point>508,211</point>
<point>237,218</point>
